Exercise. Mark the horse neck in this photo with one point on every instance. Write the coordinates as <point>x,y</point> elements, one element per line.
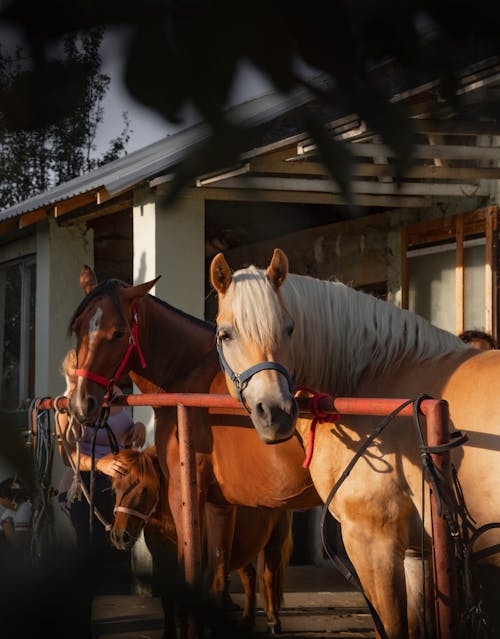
<point>161,520</point>
<point>346,337</point>
<point>174,345</point>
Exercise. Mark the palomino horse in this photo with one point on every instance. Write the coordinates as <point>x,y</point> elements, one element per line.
<point>343,342</point>
<point>122,329</point>
<point>264,532</point>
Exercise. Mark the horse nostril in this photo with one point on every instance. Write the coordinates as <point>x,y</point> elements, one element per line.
<point>262,411</point>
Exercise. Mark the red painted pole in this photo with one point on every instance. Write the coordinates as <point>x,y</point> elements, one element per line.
<point>190,512</point>
<point>445,578</point>
<point>436,411</point>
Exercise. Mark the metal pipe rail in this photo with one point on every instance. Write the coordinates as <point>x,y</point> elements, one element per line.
<point>437,419</point>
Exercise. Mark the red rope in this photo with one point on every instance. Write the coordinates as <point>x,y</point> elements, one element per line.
<point>319,417</point>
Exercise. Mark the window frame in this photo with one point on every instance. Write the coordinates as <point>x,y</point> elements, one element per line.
<point>25,263</point>
<point>457,228</point>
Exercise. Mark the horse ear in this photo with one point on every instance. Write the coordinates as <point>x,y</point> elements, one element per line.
<point>135,293</point>
<point>88,280</point>
<point>277,270</point>
<point>220,274</point>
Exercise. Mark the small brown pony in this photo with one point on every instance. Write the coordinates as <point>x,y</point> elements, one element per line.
<point>122,329</point>
<point>346,343</point>
<point>141,504</point>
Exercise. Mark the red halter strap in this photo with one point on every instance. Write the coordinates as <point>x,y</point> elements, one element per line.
<point>318,418</point>
<point>133,343</point>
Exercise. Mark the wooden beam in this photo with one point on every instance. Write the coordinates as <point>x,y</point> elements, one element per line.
<point>303,197</point>
<point>420,151</point>
<point>27,219</point>
<point>71,204</point>
<point>459,275</point>
<point>404,267</point>
<point>442,229</point>
<point>100,211</point>
<point>358,187</point>
<point>488,272</point>
<point>456,127</point>
<point>300,166</point>
<point>8,225</point>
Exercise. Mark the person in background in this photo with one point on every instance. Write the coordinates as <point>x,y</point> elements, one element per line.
<point>15,521</point>
<point>478,339</point>
<point>113,565</point>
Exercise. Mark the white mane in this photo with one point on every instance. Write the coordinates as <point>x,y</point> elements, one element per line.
<point>340,333</point>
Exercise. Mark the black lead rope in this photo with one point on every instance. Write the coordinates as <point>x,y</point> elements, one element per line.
<point>348,574</point>
<point>101,422</point>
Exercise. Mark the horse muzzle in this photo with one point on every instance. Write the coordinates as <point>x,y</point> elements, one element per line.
<point>274,423</point>
<point>122,539</point>
<point>85,410</point>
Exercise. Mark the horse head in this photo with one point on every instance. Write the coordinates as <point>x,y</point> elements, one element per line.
<point>136,496</point>
<point>254,332</point>
<point>104,325</point>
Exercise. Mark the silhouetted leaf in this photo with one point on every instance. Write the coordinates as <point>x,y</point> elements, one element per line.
<point>335,155</point>
<point>43,96</point>
<point>219,151</point>
<point>393,124</point>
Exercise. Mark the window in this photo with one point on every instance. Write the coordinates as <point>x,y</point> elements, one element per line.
<point>17,332</point>
<point>449,269</point>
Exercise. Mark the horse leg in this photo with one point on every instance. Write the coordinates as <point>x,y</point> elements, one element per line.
<point>248,576</point>
<point>418,575</point>
<point>164,555</point>
<point>271,569</point>
<point>220,523</point>
<point>377,554</point>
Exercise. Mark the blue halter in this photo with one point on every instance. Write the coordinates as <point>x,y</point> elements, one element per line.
<point>240,380</point>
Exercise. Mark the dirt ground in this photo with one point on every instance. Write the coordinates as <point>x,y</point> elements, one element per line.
<point>318,603</point>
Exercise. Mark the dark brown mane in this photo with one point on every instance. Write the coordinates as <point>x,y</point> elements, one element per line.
<point>141,469</point>
<point>107,288</point>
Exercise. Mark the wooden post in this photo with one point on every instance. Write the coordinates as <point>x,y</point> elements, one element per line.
<point>459,275</point>
<point>445,580</point>
<point>190,510</point>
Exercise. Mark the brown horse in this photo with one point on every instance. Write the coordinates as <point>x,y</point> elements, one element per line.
<point>262,532</point>
<point>122,329</point>
<point>346,343</point>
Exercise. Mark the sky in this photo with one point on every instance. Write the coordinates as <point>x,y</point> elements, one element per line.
<point>147,126</point>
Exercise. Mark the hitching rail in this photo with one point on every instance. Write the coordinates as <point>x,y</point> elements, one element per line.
<point>436,413</point>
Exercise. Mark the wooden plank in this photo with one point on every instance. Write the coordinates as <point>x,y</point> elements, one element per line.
<point>404,267</point>
<point>299,165</point>
<point>456,127</point>
<point>442,229</point>
<point>433,141</point>
<point>488,272</point>
<point>100,211</point>
<point>459,274</point>
<point>303,197</point>
<point>358,187</point>
<point>8,225</point>
<point>27,219</point>
<point>420,151</point>
<point>73,203</point>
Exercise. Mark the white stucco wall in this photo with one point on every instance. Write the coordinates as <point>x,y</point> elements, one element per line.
<point>61,253</point>
<point>169,242</point>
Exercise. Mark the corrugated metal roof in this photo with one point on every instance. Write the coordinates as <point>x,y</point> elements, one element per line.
<point>159,156</point>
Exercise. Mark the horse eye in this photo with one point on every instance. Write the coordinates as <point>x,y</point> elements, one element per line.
<point>118,334</point>
<point>289,328</point>
<point>224,335</point>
